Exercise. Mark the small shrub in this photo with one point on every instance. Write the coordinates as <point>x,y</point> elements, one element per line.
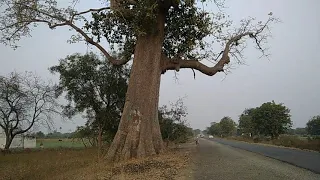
<point>297,142</point>
<point>257,139</point>
<point>287,141</point>
<point>300,142</point>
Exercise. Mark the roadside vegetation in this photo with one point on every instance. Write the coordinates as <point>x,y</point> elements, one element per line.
<point>71,163</point>
<point>75,155</point>
<point>64,156</point>
<point>96,90</point>
<point>269,123</point>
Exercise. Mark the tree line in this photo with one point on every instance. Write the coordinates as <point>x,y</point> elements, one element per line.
<point>52,135</point>
<point>268,120</point>
<point>92,87</point>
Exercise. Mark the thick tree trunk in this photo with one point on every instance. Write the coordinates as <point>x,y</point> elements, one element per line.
<point>139,133</point>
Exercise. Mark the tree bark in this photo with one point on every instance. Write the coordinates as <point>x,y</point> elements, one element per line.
<point>99,142</point>
<point>139,133</point>
<point>8,142</point>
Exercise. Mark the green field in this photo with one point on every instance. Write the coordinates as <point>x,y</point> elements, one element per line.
<point>55,143</point>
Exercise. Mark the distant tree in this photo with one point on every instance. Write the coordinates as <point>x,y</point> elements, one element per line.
<point>96,87</point>
<point>290,131</point>
<point>54,135</point>
<point>227,126</point>
<point>297,131</point>
<point>271,119</point>
<point>197,131</point>
<point>300,131</point>
<point>25,100</point>
<point>205,131</point>
<point>86,135</point>
<point>246,125</point>
<point>40,134</point>
<point>172,122</point>
<point>313,125</point>
<point>215,129</point>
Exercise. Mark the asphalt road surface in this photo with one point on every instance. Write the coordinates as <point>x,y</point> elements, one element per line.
<point>304,159</point>
<point>215,161</point>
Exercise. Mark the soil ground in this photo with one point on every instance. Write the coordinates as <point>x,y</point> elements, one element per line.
<point>207,161</point>
<point>82,164</point>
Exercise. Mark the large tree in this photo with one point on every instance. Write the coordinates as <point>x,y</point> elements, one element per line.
<point>214,129</point>
<point>25,100</point>
<point>96,87</point>
<point>246,124</point>
<point>227,126</point>
<point>271,119</point>
<point>157,35</point>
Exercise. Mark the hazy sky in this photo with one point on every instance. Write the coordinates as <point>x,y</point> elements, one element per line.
<point>291,76</point>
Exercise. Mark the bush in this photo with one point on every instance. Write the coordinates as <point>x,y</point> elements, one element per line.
<point>298,142</point>
<point>310,143</point>
<point>287,141</point>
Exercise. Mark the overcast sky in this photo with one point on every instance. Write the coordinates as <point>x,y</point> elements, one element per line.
<point>291,76</point>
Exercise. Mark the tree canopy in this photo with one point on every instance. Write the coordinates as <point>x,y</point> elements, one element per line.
<point>269,119</point>
<point>173,123</point>
<point>225,127</point>
<point>272,119</point>
<point>245,122</point>
<point>196,131</point>
<point>313,126</point>
<point>214,129</point>
<point>93,86</point>
<point>190,31</point>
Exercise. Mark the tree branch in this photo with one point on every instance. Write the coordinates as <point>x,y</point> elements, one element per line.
<point>178,62</point>
<point>113,60</point>
<point>87,11</point>
<point>58,21</point>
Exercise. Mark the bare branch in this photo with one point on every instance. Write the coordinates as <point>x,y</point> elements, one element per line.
<point>87,11</point>
<point>194,73</point>
<point>25,101</point>
<point>232,47</point>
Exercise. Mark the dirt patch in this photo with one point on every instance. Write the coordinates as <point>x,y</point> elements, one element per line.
<point>169,166</point>
<point>135,168</point>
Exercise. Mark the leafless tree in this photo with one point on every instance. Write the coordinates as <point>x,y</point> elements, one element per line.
<point>25,100</point>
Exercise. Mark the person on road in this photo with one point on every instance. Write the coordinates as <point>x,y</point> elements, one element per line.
<point>197,140</point>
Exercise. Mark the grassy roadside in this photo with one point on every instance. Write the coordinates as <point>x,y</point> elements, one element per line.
<point>82,163</point>
<point>64,143</point>
<point>285,141</point>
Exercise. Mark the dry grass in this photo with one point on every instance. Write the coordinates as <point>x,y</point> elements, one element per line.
<point>82,164</point>
<point>286,141</point>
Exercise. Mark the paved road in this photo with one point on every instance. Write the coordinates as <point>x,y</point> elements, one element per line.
<point>215,161</point>
<point>300,158</point>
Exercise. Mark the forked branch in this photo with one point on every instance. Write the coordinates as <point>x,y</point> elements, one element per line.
<point>230,46</point>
